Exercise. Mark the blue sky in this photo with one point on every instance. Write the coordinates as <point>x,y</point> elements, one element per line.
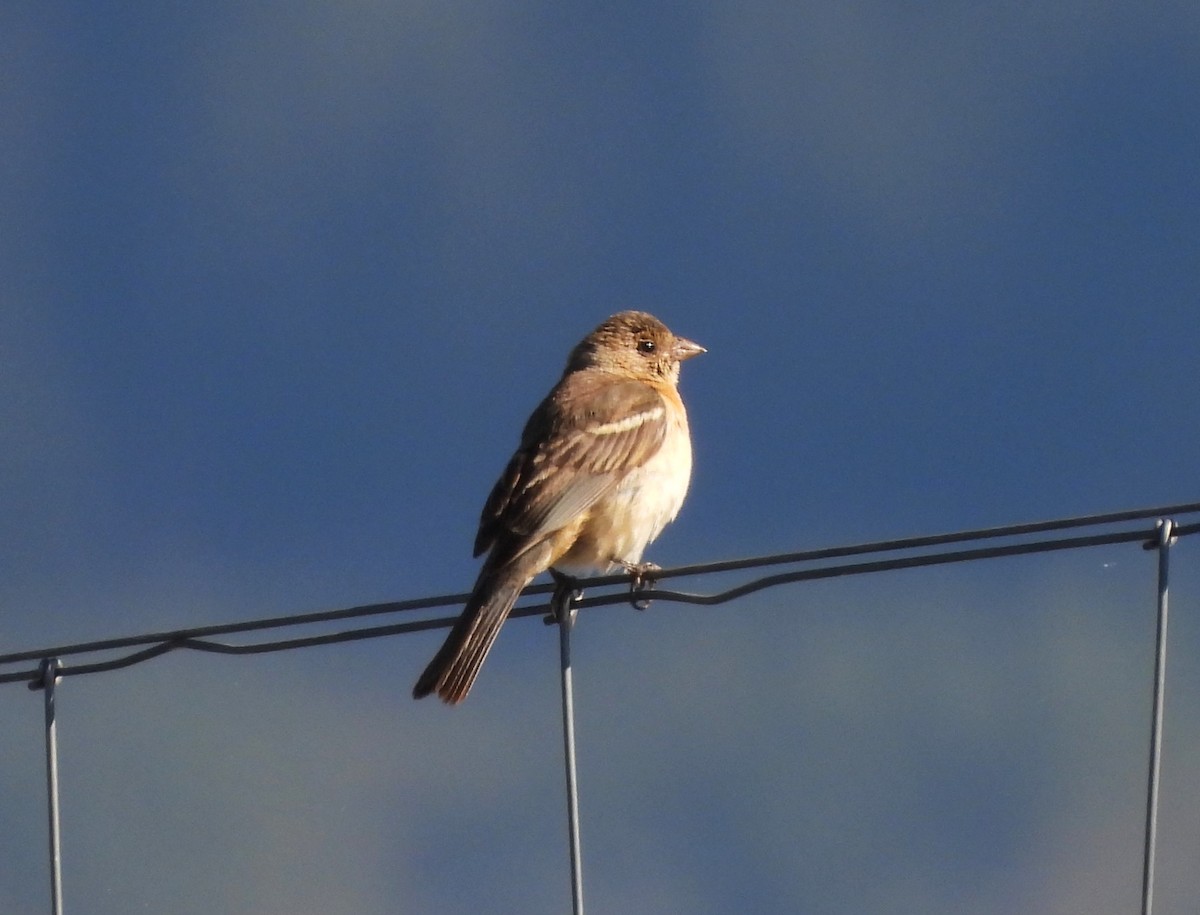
<point>282,282</point>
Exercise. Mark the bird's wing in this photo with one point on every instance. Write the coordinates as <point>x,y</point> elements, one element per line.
<point>585,436</point>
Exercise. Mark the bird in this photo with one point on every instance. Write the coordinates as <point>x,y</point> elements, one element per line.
<point>604,463</point>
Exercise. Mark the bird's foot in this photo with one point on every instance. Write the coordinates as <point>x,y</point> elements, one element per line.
<point>643,581</point>
<point>566,592</point>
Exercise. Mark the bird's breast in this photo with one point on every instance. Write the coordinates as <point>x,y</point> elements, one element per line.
<point>635,511</point>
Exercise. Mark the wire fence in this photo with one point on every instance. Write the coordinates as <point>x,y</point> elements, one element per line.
<point>1155,529</point>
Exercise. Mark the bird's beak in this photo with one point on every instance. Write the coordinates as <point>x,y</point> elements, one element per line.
<point>686,349</point>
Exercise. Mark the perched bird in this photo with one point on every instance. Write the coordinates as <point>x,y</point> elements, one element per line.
<point>603,465</point>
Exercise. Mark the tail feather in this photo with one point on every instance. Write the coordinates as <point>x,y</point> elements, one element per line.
<point>454,668</point>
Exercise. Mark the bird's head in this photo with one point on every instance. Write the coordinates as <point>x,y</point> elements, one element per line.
<point>636,344</point>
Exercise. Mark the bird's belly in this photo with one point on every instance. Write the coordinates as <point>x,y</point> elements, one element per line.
<point>619,526</point>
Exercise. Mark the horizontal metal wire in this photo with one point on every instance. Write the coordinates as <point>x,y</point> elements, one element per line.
<point>203,638</point>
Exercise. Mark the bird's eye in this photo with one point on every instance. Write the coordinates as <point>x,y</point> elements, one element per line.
<point>645,346</point>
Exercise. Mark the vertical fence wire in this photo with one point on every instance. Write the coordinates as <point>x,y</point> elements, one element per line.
<point>49,682</point>
<point>564,596</point>
<point>1165,528</point>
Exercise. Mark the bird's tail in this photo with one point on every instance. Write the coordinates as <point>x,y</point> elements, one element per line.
<point>453,669</point>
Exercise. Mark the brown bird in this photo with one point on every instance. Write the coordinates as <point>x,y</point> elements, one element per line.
<point>603,465</point>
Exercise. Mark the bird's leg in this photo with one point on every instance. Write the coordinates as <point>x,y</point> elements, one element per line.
<point>566,592</point>
<point>643,581</point>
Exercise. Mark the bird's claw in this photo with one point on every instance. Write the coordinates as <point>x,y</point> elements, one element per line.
<point>566,592</point>
<point>642,581</point>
